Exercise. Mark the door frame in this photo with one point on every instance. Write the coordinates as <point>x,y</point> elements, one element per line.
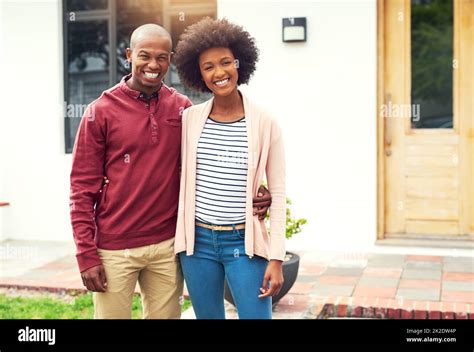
<point>463,104</point>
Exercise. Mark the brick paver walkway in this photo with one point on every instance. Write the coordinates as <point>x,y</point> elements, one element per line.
<point>328,284</point>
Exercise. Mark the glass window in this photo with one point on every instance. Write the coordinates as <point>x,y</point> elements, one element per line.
<point>87,69</point>
<point>432,63</point>
<point>179,22</point>
<point>86,5</point>
<point>130,15</point>
<point>95,44</point>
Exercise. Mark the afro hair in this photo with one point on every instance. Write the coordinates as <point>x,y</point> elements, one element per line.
<point>210,33</point>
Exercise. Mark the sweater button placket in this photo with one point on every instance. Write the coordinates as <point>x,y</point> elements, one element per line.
<point>154,129</point>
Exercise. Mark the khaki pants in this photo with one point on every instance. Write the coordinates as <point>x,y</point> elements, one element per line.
<point>157,270</point>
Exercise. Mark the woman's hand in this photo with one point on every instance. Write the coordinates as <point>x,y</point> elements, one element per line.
<point>274,275</point>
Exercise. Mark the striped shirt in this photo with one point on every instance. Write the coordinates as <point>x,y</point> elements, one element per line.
<point>221,173</point>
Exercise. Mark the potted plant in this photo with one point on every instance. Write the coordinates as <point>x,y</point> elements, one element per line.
<point>290,264</point>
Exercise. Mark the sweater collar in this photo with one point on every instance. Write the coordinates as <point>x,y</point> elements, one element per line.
<point>135,94</point>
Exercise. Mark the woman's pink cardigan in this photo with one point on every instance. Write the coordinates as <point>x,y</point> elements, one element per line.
<point>265,156</point>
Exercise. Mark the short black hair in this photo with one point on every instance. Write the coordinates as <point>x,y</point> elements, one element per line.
<point>210,33</point>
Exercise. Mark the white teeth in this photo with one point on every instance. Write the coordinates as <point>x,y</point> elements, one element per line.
<point>151,75</point>
<point>222,83</point>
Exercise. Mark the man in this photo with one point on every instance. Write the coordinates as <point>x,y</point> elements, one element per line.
<point>125,186</point>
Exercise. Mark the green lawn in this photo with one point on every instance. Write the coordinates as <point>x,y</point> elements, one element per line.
<point>45,307</point>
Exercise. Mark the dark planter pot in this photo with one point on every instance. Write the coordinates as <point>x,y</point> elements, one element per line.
<point>290,273</point>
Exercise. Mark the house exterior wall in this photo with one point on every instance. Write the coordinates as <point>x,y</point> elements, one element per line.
<point>2,133</point>
<point>34,167</point>
<point>323,92</point>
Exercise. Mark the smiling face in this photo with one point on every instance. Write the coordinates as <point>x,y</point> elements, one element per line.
<point>219,70</point>
<point>150,57</point>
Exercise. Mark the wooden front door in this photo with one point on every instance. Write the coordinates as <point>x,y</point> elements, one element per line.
<point>426,117</point>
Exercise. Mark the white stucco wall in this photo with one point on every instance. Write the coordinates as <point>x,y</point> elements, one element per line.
<point>34,166</point>
<point>322,92</point>
<point>2,133</point>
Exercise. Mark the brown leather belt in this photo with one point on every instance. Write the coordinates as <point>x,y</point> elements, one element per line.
<point>220,227</point>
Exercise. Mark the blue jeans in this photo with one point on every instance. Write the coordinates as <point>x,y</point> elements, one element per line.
<point>220,255</point>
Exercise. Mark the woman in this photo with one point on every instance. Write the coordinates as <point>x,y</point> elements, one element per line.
<point>228,144</point>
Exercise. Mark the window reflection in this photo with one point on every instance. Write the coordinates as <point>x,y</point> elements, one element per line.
<point>432,62</point>
<point>130,15</point>
<point>88,68</point>
<point>89,46</point>
<point>179,22</point>
<point>86,5</point>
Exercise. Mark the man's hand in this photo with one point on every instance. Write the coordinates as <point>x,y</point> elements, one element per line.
<point>262,202</point>
<point>274,275</point>
<point>94,279</point>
